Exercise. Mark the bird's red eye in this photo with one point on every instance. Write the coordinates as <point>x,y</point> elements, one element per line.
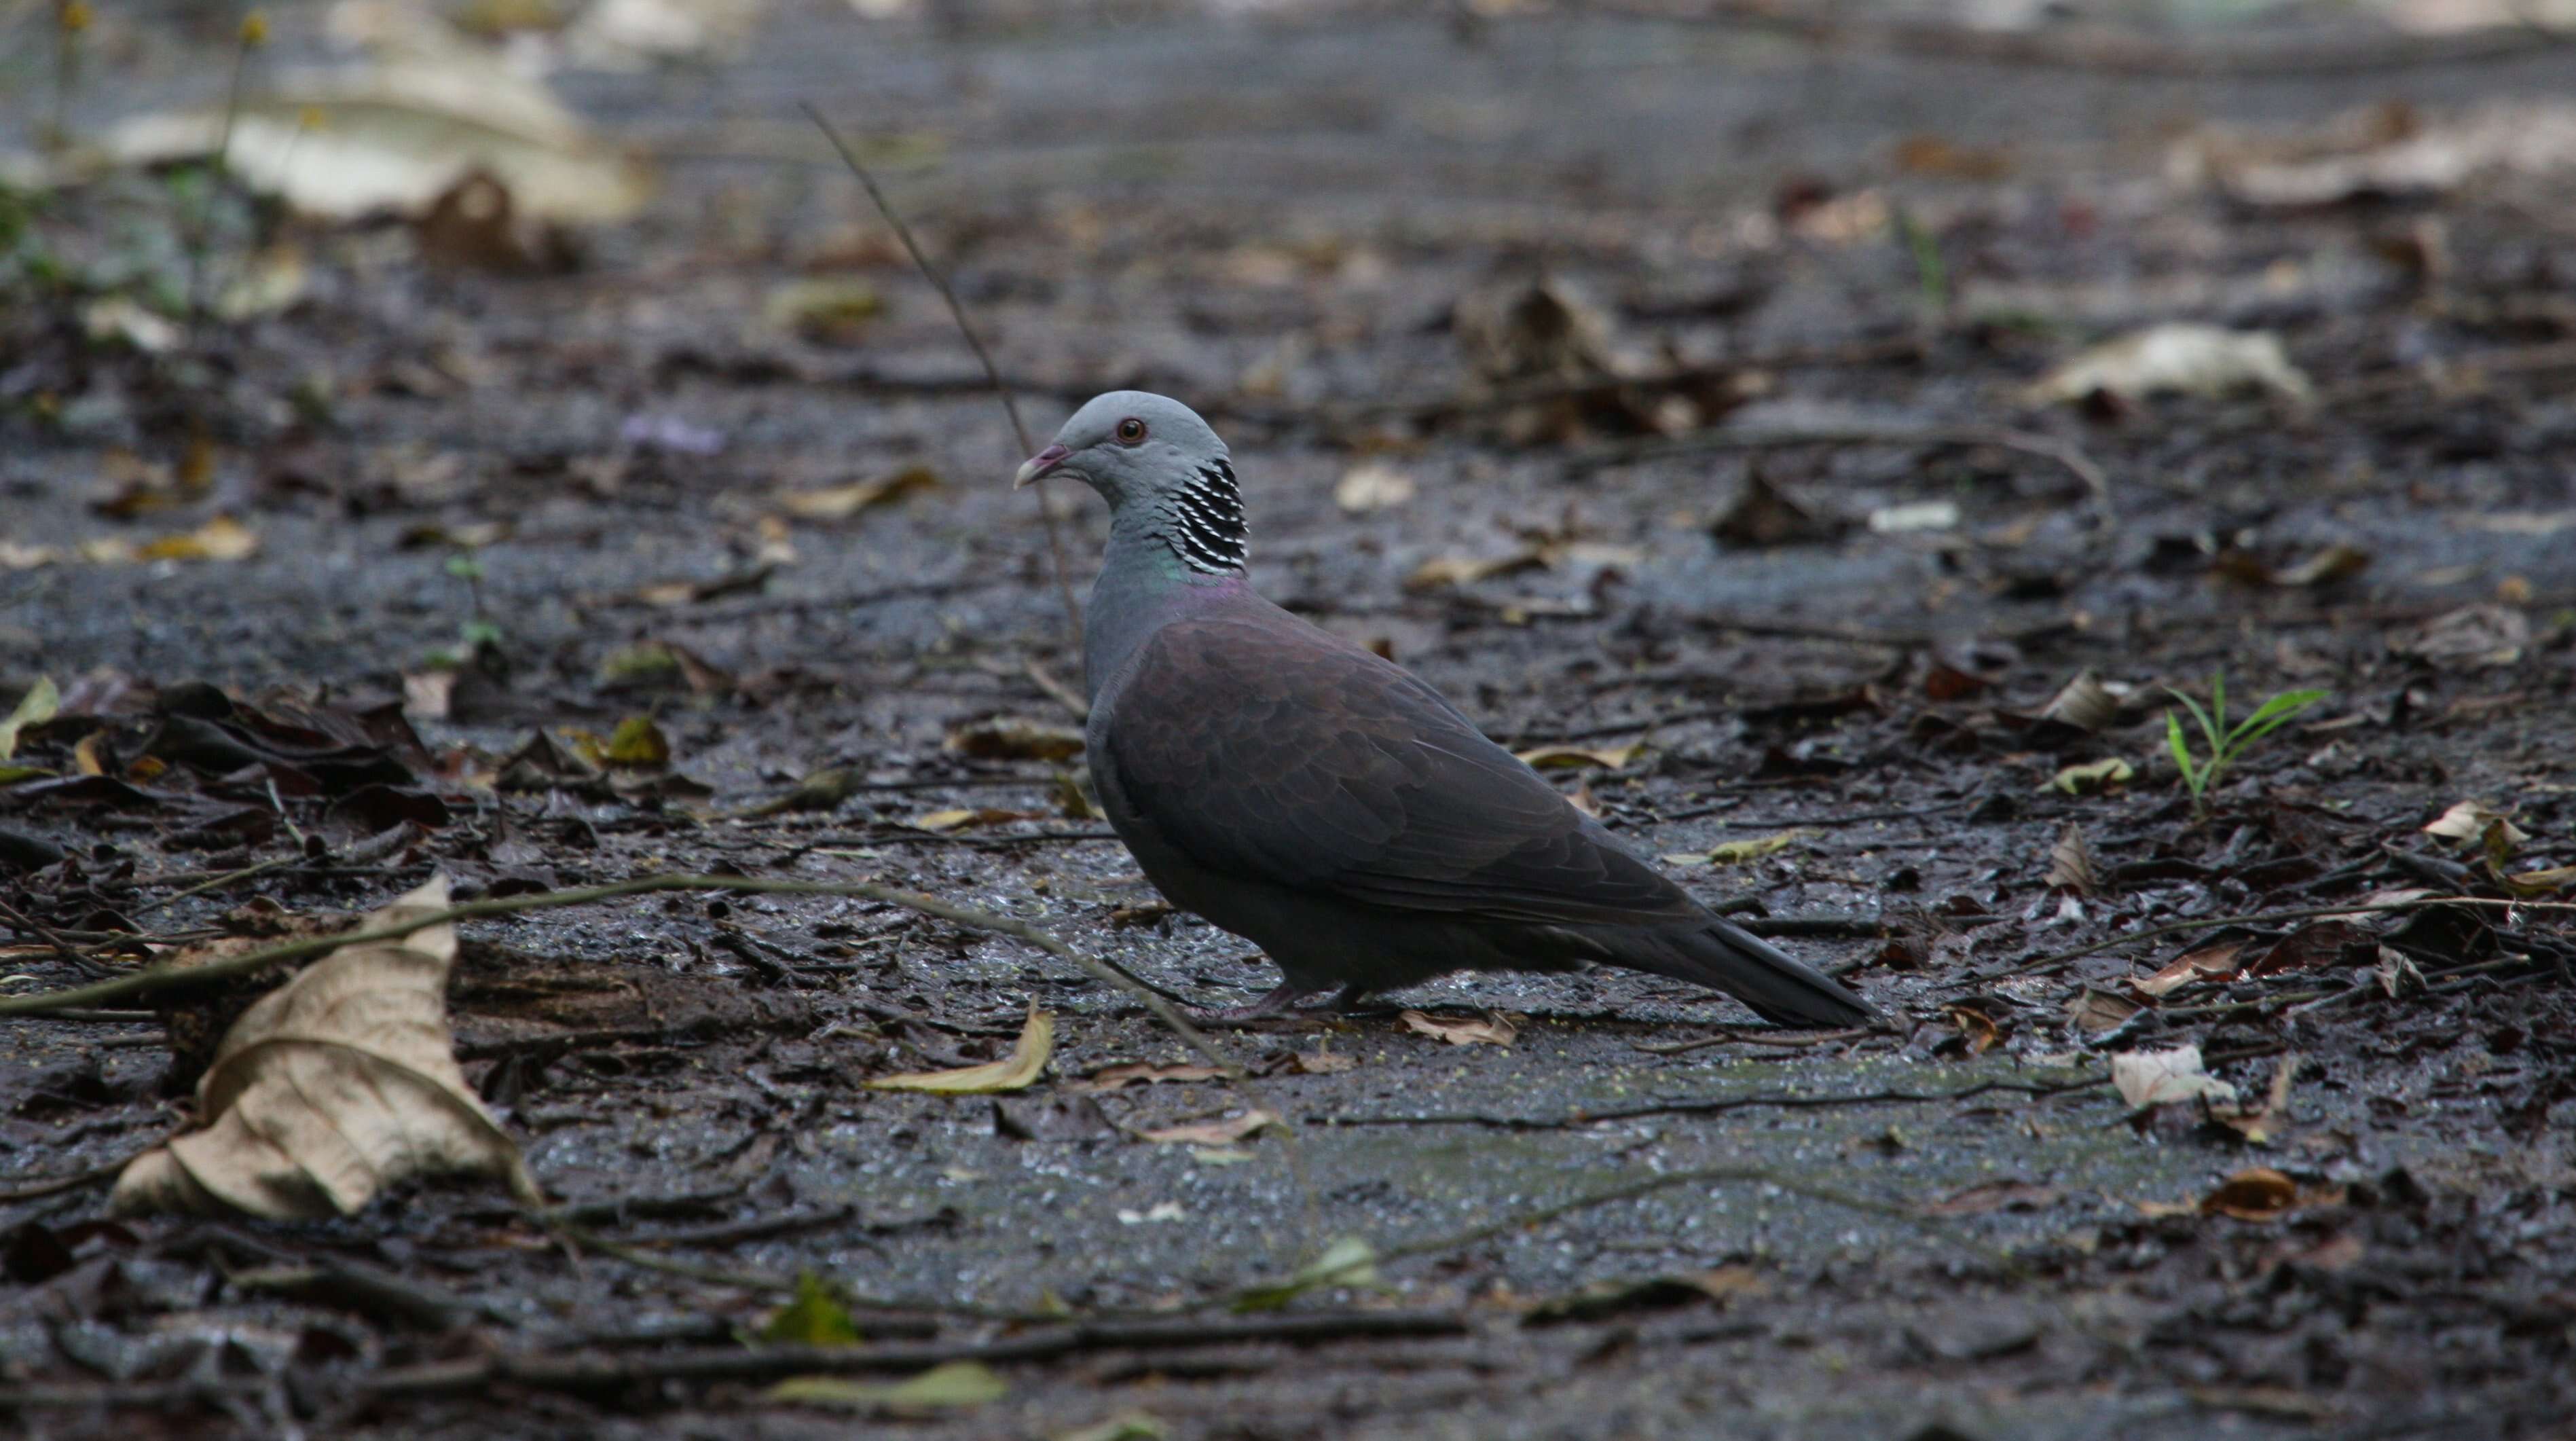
<point>1131,431</point>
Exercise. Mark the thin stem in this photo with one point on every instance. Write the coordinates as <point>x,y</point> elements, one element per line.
<point>974,342</point>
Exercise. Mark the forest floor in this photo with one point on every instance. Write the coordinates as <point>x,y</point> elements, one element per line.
<point>1769,534</point>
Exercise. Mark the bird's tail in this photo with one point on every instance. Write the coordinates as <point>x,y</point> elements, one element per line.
<point>1725,957</point>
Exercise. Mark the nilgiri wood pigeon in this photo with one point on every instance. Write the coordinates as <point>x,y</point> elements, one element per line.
<point>1320,801</point>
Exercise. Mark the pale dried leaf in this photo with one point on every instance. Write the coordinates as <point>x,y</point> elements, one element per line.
<point>2178,356</point>
<point>1914,516</point>
<point>1491,1030</point>
<point>2209,963</point>
<point>39,705</point>
<point>2070,863</point>
<point>1147,1073</point>
<point>2094,776</point>
<point>951,1386</point>
<point>2469,821</point>
<point>1450,570</point>
<point>1372,485</point>
<point>343,145</point>
<point>1567,757</point>
<point>2156,1078</point>
<point>1213,1133</point>
<point>2084,703</point>
<point>1016,1072</point>
<point>840,502</point>
<point>333,1086</point>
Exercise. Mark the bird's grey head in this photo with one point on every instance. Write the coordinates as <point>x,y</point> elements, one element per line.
<point>1162,470</point>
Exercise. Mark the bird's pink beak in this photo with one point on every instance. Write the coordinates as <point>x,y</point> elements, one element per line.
<point>1039,466</point>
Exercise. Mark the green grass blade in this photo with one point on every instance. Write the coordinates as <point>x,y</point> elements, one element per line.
<point>2181,754</point>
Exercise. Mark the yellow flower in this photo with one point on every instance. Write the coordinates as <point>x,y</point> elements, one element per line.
<point>73,16</point>
<point>254,31</point>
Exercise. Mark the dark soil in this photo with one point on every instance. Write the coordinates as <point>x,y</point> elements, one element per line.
<point>1951,1227</point>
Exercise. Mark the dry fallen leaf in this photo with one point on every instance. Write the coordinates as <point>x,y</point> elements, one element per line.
<point>2468,821</point>
<point>1007,738</point>
<point>2177,356</point>
<point>840,502</point>
<point>950,1386</point>
<point>2256,1194</point>
<point>1146,1073</point>
<point>1372,485</point>
<point>1213,1133</point>
<point>1322,1063</point>
<point>1016,1072</point>
<point>2070,863</point>
<point>2084,703</point>
<point>940,822</point>
<point>2156,1078</point>
<point>2095,776</point>
<point>333,1086</point>
<point>2209,963</point>
<point>345,144</point>
<point>222,538</point>
<point>1448,570</point>
<point>2476,637</point>
<point>1490,1030</point>
<point>1566,757</point>
<point>35,707</point>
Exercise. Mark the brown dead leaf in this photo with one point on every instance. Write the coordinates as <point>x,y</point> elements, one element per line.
<point>840,502</point>
<point>2476,637</point>
<point>1976,1026</point>
<point>1322,1063</point>
<point>2070,863</point>
<point>2256,1194</point>
<point>1009,738</point>
<point>333,1086</point>
<point>2209,963</point>
<point>2319,943</point>
<point>1487,1030</point>
<point>2099,1011</point>
<point>1015,1072</point>
<point>1568,757</point>
<point>1225,1132</point>
<point>1146,1073</point>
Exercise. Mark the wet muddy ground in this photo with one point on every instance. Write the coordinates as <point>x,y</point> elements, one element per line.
<point>1850,261</point>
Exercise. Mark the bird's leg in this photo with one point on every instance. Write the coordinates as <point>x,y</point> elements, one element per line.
<point>1282,1001</point>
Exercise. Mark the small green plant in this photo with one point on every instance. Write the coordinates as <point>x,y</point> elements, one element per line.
<point>2200,773</point>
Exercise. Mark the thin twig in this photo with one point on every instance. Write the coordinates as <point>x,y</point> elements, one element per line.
<point>1707,1106</point>
<point>219,882</point>
<point>2253,918</point>
<point>974,342</point>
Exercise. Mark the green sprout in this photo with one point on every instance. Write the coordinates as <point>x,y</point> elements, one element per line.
<point>2200,773</point>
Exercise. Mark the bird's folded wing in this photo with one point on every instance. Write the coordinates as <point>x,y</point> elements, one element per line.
<point>1289,757</point>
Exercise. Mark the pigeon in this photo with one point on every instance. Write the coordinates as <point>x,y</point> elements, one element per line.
<point>1320,801</point>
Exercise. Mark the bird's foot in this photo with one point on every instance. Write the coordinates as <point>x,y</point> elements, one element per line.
<point>1284,1001</point>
